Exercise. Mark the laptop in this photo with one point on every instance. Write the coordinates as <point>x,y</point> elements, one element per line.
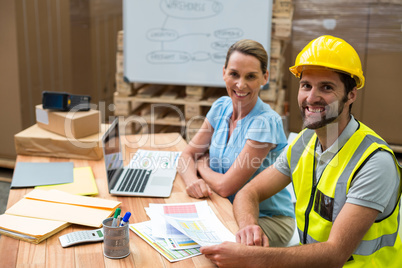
<point>137,179</point>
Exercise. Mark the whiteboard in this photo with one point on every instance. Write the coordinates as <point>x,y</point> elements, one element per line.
<point>184,42</point>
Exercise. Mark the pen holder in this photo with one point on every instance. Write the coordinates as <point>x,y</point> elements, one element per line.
<point>116,243</point>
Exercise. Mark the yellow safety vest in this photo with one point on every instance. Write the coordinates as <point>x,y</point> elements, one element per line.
<point>317,206</point>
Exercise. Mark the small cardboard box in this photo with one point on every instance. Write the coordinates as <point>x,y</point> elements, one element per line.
<point>69,124</point>
<point>39,142</point>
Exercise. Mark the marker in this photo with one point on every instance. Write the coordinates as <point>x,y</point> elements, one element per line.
<point>117,213</point>
<point>124,221</point>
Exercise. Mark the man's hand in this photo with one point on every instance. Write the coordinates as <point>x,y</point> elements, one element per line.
<point>228,254</point>
<point>252,235</point>
<point>198,189</point>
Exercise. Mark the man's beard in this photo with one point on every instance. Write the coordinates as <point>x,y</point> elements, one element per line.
<point>332,112</point>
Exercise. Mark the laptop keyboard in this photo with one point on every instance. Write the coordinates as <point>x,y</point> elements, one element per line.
<point>111,172</point>
<point>134,181</point>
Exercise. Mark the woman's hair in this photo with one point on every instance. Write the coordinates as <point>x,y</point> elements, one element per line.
<point>252,48</point>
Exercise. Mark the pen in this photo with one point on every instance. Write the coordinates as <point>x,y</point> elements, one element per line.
<point>124,221</point>
<point>117,213</point>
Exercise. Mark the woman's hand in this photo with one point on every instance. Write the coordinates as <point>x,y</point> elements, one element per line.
<point>198,189</point>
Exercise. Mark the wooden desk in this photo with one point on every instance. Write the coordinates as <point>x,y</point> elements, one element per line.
<point>49,253</point>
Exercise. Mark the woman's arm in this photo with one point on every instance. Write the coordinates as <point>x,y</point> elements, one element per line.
<point>187,169</point>
<point>245,165</point>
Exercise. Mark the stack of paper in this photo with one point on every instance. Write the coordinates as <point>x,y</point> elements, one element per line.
<point>178,230</point>
<point>29,229</point>
<point>42,213</point>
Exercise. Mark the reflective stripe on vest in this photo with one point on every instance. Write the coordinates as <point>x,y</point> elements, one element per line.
<point>298,148</point>
<point>366,247</point>
<point>340,190</point>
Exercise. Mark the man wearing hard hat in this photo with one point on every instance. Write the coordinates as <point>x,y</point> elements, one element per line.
<point>347,180</point>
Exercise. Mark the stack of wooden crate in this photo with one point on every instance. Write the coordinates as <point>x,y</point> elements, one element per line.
<point>123,106</point>
<point>274,94</point>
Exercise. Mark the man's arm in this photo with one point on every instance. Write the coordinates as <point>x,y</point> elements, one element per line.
<point>348,230</point>
<point>246,205</point>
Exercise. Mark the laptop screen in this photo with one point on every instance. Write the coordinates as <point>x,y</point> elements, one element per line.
<point>112,154</point>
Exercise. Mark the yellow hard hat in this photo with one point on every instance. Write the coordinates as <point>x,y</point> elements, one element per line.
<point>330,52</point>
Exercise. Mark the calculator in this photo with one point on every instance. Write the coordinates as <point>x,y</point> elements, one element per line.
<point>81,237</point>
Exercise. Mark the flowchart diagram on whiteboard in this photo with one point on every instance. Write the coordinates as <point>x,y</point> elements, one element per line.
<point>184,42</point>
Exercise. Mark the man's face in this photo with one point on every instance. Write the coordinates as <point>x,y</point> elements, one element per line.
<point>322,98</point>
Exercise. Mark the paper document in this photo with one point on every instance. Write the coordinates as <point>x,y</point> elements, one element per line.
<point>143,230</point>
<point>182,226</point>
<point>205,232</point>
<point>29,229</point>
<point>161,228</point>
<point>61,206</point>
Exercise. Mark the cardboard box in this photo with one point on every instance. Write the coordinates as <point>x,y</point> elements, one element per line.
<point>68,124</point>
<point>39,142</point>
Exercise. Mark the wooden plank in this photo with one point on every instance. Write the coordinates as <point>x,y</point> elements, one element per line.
<point>31,255</point>
<point>7,163</point>
<point>150,91</point>
<point>60,257</point>
<point>178,101</point>
<point>195,91</point>
<point>396,148</point>
<point>5,180</point>
<point>172,92</point>
<point>192,110</point>
<point>119,62</point>
<point>120,44</point>
<point>57,256</point>
<point>282,9</point>
<point>123,87</point>
<point>9,252</point>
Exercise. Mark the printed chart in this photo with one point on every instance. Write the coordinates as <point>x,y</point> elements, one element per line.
<point>143,229</point>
